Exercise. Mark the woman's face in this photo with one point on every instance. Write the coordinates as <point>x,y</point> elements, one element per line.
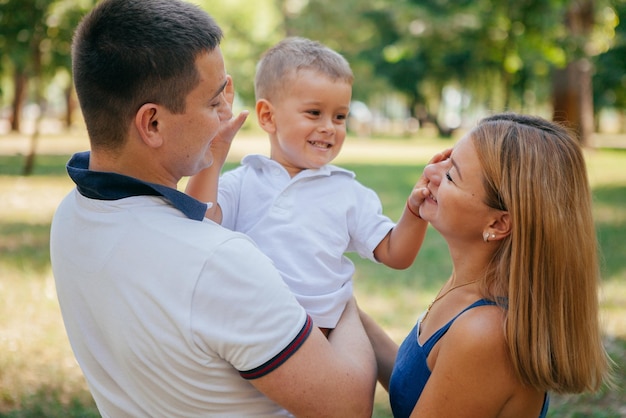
<point>456,205</point>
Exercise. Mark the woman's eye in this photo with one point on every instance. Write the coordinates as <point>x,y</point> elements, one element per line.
<point>448,177</point>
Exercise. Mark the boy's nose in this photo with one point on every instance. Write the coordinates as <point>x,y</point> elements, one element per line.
<point>327,126</point>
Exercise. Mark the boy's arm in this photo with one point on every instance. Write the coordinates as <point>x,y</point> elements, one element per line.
<point>203,185</point>
<point>400,246</point>
<point>334,377</point>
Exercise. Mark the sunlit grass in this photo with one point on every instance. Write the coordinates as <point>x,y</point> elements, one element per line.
<point>40,378</point>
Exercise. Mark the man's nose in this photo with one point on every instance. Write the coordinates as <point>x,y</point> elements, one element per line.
<point>225,110</point>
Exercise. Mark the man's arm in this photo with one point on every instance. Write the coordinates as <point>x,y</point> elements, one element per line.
<point>332,377</point>
<point>385,349</point>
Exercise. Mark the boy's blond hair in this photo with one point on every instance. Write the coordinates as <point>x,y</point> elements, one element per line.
<point>283,61</point>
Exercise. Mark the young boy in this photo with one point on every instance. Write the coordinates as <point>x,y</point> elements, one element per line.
<point>303,212</point>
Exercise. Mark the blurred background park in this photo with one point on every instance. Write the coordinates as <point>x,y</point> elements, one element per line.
<point>425,71</point>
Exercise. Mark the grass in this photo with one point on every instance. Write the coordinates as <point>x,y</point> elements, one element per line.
<point>40,378</point>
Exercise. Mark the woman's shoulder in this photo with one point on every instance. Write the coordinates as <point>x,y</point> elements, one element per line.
<point>478,335</point>
<point>478,341</point>
<point>480,326</point>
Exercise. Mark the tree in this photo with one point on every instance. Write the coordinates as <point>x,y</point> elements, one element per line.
<point>36,37</point>
<point>609,79</point>
<point>249,29</point>
<point>62,19</point>
<point>510,55</point>
<point>572,88</point>
<point>22,32</point>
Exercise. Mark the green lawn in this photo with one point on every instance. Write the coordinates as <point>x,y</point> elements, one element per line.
<point>38,374</point>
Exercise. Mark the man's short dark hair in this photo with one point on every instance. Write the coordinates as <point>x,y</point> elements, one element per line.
<point>130,52</point>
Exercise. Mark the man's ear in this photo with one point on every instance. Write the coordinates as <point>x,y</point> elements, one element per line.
<point>265,115</point>
<point>148,124</point>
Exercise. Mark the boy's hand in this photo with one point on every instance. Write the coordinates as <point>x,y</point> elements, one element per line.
<point>420,192</point>
<point>228,128</point>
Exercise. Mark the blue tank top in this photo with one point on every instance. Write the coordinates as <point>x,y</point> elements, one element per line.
<point>411,372</point>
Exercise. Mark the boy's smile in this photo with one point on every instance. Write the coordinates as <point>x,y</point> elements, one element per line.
<point>308,121</point>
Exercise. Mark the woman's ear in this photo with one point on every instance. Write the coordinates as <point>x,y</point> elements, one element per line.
<point>265,115</point>
<point>148,124</point>
<point>500,226</point>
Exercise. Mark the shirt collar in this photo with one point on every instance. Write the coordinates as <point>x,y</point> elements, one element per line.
<point>113,186</point>
<point>260,161</point>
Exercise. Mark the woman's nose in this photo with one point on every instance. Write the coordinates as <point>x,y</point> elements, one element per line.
<point>434,172</point>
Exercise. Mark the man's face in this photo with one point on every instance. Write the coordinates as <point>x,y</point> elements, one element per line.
<point>189,135</point>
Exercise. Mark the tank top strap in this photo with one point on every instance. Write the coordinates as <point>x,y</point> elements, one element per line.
<point>430,343</point>
<point>546,405</point>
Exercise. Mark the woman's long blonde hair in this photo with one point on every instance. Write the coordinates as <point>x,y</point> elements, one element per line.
<point>547,268</point>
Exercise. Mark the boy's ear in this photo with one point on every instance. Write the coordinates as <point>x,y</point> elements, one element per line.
<point>265,116</point>
<point>149,125</point>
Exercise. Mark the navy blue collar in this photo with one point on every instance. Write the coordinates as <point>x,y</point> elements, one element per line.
<point>113,186</point>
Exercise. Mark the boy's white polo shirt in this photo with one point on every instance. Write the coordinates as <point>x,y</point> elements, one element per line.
<point>166,313</point>
<point>306,224</point>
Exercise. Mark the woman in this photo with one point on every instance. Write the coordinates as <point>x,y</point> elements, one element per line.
<point>518,317</point>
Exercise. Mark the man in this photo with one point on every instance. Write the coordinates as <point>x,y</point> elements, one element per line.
<point>168,313</point>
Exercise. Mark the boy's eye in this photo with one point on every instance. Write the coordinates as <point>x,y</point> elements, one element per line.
<point>341,117</point>
<point>314,112</point>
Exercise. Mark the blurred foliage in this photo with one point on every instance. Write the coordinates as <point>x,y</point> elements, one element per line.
<point>501,52</point>
<point>610,77</point>
<point>497,54</point>
<point>250,27</point>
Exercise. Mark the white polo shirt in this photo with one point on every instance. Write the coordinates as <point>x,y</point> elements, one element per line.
<point>168,313</point>
<point>306,224</point>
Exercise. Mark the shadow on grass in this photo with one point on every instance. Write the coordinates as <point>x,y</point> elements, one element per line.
<point>25,246</point>
<point>603,404</point>
<point>610,207</point>
<point>45,165</point>
<point>46,402</point>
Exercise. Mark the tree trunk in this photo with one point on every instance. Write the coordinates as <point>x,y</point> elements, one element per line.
<point>29,163</point>
<point>572,94</point>
<point>572,99</point>
<point>20,82</point>
<point>288,28</point>
<point>70,106</point>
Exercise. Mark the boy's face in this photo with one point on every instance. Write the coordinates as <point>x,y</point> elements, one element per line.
<point>308,124</point>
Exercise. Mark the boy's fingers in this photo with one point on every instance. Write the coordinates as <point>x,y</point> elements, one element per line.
<point>440,156</point>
